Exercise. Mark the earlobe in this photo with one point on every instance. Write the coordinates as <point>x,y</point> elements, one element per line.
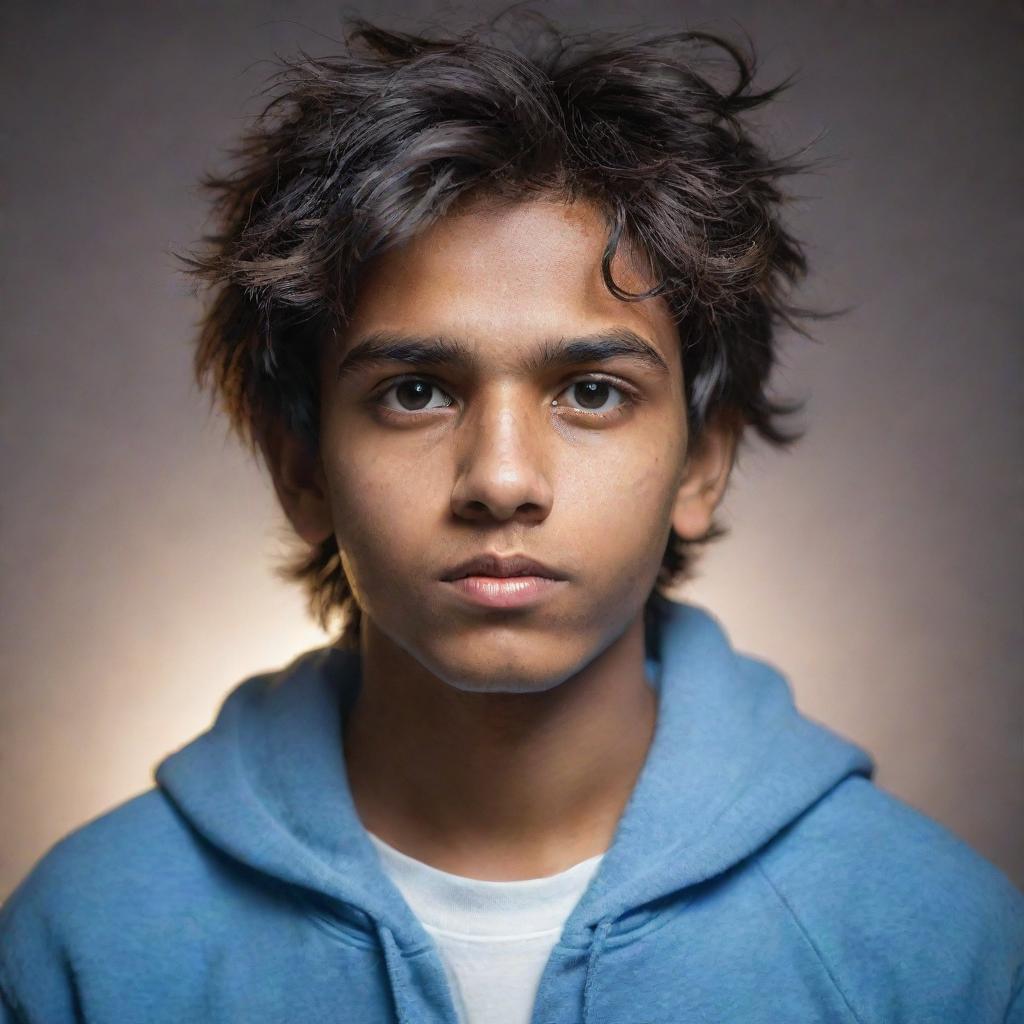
<point>708,467</point>
<point>299,482</point>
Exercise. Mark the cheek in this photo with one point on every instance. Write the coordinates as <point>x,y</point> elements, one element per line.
<point>625,492</point>
<point>370,505</point>
<point>388,509</point>
<point>617,520</point>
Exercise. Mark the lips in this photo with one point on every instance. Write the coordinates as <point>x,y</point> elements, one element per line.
<point>502,566</point>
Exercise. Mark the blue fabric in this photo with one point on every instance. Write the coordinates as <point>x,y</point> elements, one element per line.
<point>757,875</point>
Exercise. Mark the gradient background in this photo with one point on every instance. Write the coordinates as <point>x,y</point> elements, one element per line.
<point>877,564</point>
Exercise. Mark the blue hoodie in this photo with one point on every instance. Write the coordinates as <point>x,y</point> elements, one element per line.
<point>757,876</point>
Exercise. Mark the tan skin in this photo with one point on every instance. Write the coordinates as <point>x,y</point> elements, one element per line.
<point>501,744</point>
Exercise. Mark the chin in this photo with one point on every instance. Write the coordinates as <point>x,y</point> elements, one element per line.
<point>500,685</point>
<point>479,667</point>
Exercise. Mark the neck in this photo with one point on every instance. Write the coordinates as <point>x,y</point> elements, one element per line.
<point>498,786</point>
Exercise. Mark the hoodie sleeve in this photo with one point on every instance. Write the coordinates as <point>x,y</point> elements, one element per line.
<point>902,911</point>
<point>1015,1014</point>
<point>36,983</point>
<point>7,1011</point>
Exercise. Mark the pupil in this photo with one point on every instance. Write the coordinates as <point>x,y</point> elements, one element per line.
<point>594,388</point>
<point>421,386</point>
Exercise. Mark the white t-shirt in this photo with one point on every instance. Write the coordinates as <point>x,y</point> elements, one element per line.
<point>494,938</point>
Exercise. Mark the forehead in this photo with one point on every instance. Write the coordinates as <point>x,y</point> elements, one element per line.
<point>505,274</point>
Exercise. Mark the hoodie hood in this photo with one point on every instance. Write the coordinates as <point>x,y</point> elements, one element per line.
<point>732,763</point>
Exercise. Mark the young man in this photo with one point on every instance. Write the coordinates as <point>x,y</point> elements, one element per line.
<point>498,318</point>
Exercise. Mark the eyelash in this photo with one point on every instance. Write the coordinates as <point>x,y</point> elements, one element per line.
<point>630,397</point>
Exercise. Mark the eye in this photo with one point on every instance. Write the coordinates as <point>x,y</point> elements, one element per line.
<point>412,395</point>
<point>593,395</point>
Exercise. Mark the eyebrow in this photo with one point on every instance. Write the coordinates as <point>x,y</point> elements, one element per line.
<point>440,351</point>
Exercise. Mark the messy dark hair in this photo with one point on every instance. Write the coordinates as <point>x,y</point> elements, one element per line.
<point>356,152</point>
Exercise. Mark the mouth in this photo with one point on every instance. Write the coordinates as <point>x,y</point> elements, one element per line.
<point>502,567</point>
<point>504,592</point>
<point>503,581</point>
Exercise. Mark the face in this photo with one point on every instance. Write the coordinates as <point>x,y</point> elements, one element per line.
<point>576,460</point>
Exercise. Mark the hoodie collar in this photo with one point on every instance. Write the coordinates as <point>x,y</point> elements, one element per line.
<point>267,785</point>
<point>731,763</point>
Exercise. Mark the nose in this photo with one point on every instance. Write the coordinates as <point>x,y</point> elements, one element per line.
<point>502,461</point>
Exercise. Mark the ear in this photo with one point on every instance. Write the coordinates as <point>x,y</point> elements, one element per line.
<point>299,481</point>
<point>705,476</point>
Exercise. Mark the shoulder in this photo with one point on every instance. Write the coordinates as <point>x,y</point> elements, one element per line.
<point>117,852</point>
<point>898,908</point>
<point>102,891</point>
